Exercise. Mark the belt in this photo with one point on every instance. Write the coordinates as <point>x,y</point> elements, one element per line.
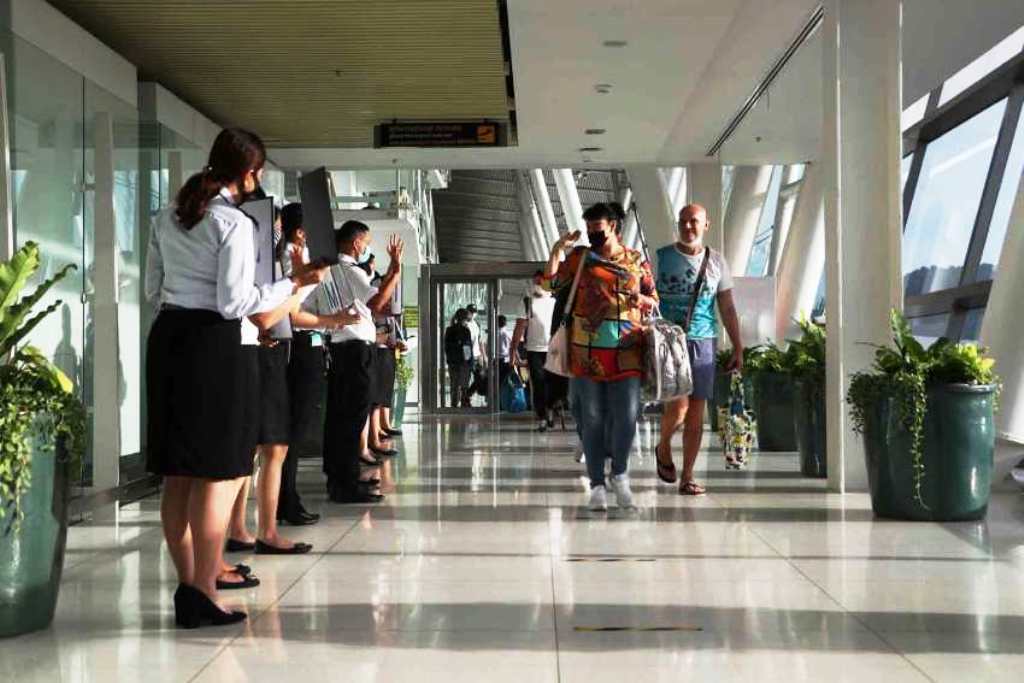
<point>352,342</point>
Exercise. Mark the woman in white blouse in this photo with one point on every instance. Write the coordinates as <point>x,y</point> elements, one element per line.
<point>200,269</point>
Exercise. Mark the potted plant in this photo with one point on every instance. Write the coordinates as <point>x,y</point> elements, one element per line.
<point>805,358</point>
<point>927,419</point>
<point>42,437</point>
<point>403,378</point>
<point>773,397</point>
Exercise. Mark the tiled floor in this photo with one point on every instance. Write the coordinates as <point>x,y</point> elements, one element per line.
<point>484,565</point>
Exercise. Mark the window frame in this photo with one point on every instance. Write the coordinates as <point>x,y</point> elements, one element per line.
<point>1005,82</point>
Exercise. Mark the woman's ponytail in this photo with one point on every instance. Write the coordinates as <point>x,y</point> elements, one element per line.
<point>235,153</point>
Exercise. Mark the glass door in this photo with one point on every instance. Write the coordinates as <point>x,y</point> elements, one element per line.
<point>466,379</point>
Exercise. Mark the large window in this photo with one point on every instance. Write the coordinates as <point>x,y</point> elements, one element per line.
<point>961,177</point>
<point>946,200</point>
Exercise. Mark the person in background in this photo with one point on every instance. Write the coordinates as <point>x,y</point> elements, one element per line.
<point>458,355</point>
<point>679,268</point>
<point>537,331</point>
<point>478,364</point>
<point>201,271</point>
<point>305,376</point>
<point>504,348</point>
<point>615,292</point>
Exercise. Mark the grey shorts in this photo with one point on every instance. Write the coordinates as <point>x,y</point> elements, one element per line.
<point>702,366</point>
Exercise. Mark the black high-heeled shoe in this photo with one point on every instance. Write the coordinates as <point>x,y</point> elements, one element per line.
<point>193,609</point>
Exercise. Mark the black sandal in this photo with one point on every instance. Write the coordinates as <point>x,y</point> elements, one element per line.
<point>666,472</point>
<point>248,581</point>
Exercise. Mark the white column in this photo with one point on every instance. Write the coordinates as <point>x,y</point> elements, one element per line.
<point>1002,328</point>
<point>543,199</point>
<point>106,426</point>
<point>705,188</point>
<point>569,196</point>
<point>784,212</point>
<point>803,257</point>
<point>861,174</point>
<point>742,216</point>
<point>529,222</point>
<point>654,205</point>
<point>675,185</point>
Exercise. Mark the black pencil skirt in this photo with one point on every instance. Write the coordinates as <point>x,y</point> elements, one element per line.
<point>384,378</point>
<point>307,384</point>
<point>274,405</point>
<point>200,396</point>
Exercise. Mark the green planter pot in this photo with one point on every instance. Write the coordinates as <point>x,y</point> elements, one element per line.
<point>774,396</point>
<point>32,558</point>
<point>958,449</point>
<point>809,418</point>
<point>398,408</point>
<point>721,398</point>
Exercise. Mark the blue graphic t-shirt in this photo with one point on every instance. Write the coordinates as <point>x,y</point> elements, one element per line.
<point>675,278</point>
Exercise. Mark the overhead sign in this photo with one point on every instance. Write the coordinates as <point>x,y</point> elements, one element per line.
<point>440,134</point>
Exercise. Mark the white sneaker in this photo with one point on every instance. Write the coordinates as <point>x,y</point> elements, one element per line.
<point>579,453</point>
<point>598,499</point>
<point>623,496</point>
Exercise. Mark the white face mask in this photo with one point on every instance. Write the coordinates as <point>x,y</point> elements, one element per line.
<point>538,291</point>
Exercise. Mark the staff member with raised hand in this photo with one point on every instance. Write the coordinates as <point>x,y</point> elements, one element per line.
<point>352,349</point>
<point>200,268</point>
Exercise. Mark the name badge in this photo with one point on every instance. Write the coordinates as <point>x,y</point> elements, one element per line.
<point>316,340</point>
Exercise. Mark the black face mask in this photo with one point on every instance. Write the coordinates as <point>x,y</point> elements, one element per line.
<point>597,240</point>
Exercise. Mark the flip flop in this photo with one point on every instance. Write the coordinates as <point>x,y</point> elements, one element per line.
<point>691,488</point>
<point>666,471</point>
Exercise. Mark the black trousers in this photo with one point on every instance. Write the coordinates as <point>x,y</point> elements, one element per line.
<point>538,382</point>
<point>349,384</point>
<point>306,379</point>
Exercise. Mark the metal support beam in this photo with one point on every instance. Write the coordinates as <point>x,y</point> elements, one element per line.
<point>106,426</point>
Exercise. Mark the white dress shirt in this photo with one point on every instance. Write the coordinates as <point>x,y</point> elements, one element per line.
<point>210,267</point>
<point>347,288</point>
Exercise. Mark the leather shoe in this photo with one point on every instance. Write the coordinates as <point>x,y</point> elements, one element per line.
<point>384,452</point>
<point>393,432</point>
<point>359,496</point>
<point>235,546</point>
<point>300,519</point>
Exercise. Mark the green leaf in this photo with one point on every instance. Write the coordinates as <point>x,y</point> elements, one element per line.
<point>11,331</point>
<point>15,273</point>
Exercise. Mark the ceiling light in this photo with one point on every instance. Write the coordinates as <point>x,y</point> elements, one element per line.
<point>603,88</point>
<point>591,149</point>
<point>615,43</point>
<point>595,131</point>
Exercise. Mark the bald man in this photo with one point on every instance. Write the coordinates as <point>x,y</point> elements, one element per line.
<point>680,266</point>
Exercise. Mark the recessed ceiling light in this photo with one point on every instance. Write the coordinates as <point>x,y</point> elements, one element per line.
<point>591,149</point>
<point>595,131</point>
<point>615,43</point>
<point>603,88</point>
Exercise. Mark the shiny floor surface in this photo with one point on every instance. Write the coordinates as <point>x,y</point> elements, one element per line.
<point>484,565</point>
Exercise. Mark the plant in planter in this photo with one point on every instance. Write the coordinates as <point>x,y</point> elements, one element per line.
<point>403,378</point>
<point>769,367</point>
<point>42,436</point>
<point>805,358</point>
<point>927,420</point>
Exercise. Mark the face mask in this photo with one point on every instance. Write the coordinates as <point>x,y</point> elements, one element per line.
<point>538,291</point>
<point>597,240</point>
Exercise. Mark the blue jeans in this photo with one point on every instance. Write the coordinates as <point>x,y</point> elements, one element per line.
<point>608,412</point>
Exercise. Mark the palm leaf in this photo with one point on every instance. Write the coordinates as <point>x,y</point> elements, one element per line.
<point>15,273</point>
<point>11,328</point>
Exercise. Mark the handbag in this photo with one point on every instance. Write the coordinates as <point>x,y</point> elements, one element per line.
<point>667,373</point>
<point>737,426</point>
<point>557,361</point>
